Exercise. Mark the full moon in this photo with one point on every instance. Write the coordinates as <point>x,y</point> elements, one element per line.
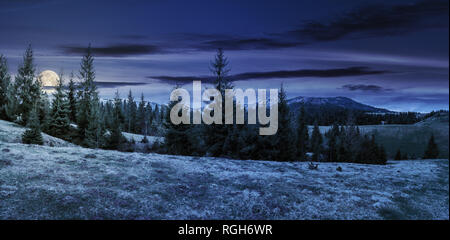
<point>49,78</point>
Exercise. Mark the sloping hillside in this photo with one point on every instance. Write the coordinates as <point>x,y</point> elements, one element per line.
<point>412,138</point>
<point>12,133</point>
<point>438,119</point>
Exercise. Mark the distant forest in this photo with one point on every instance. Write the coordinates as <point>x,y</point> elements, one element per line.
<point>327,116</point>
<point>76,114</point>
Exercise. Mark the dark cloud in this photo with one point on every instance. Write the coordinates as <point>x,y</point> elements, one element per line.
<point>363,87</point>
<point>115,50</point>
<point>246,44</point>
<point>323,73</point>
<point>201,42</point>
<point>109,84</point>
<point>117,84</point>
<point>377,20</point>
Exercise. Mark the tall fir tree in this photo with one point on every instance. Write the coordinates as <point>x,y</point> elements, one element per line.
<point>94,137</point>
<point>141,117</point>
<point>27,87</point>
<point>71,98</point>
<point>149,118</point>
<point>302,135</point>
<point>87,116</point>
<point>33,135</point>
<point>220,69</point>
<point>5,82</point>
<point>107,117</point>
<point>11,106</point>
<point>59,125</point>
<point>398,155</point>
<point>115,137</point>
<point>44,111</point>
<point>155,114</point>
<point>316,142</point>
<point>131,113</point>
<point>177,136</point>
<point>405,156</point>
<point>216,134</point>
<point>332,150</point>
<point>432,151</point>
<point>286,150</point>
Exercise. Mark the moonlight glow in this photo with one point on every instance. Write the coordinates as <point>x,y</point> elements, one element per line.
<point>49,78</point>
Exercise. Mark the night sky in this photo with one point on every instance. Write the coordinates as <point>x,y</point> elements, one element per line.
<point>390,54</point>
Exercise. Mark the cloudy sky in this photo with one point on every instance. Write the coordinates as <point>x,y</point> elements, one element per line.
<point>391,54</point>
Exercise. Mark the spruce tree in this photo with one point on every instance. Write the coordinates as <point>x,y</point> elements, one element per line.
<point>27,87</point>
<point>332,151</point>
<point>71,98</point>
<point>11,106</point>
<point>230,147</point>
<point>95,129</point>
<point>131,113</point>
<point>108,114</point>
<point>405,156</point>
<point>59,125</point>
<point>149,118</point>
<point>5,81</point>
<point>156,115</point>
<point>219,68</point>
<point>176,137</point>
<point>432,151</point>
<point>216,134</point>
<point>285,139</point>
<point>316,142</point>
<point>88,117</point>
<point>302,135</point>
<point>162,113</point>
<point>33,135</point>
<point>44,111</point>
<point>398,155</point>
<point>141,117</point>
<point>116,138</point>
<point>381,156</point>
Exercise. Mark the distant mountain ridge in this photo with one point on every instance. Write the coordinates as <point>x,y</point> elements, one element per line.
<point>333,103</point>
<point>310,103</point>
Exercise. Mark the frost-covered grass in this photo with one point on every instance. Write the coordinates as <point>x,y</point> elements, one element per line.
<point>41,182</point>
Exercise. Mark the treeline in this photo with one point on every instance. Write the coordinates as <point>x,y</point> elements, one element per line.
<point>327,116</point>
<point>76,113</point>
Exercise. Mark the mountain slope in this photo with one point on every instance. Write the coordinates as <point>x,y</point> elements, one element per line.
<point>332,103</point>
